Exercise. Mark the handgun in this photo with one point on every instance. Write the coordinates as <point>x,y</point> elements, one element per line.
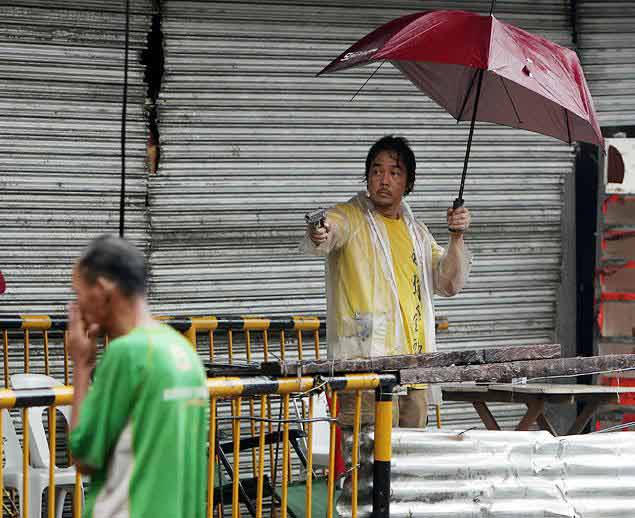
<point>316,218</point>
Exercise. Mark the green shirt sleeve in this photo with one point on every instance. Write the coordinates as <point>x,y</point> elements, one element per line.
<point>107,407</point>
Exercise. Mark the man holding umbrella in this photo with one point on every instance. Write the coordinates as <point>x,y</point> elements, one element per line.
<point>383,268</point>
<point>492,72</point>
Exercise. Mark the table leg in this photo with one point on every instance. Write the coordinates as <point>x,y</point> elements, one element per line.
<point>584,417</point>
<point>486,416</point>
<point>544,424</point>
<point>534,409</point>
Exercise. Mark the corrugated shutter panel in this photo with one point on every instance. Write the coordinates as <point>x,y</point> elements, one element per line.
<point>61,93</point>
<point>251,140</point>
<point>606,42</point>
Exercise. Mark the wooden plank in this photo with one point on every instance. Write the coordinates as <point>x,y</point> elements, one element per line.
<point>486,415</point>
<point>584,417</point>
<point>555,389</point>
<point>465,387</point>
<point>534,409</point>
<point>520,369</point>
<point>545,424</point>
<point>411,361</point>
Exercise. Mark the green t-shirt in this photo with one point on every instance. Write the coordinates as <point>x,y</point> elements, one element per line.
<point>143,429</point>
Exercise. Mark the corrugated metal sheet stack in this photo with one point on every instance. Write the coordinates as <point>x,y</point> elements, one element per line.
<point>60,125</point>
<point>251,140</point>
<point>484,474</point>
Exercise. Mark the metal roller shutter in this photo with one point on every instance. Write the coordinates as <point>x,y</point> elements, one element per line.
<point>606,42</point>
<point>60,114</point>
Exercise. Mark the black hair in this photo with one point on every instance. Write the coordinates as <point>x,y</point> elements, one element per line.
<point>397,145</point>
<point>116,260</point>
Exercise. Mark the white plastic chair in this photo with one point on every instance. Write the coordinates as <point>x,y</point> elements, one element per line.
<point>39,447</point>
<point>13,476</point>
<point>321,435</point>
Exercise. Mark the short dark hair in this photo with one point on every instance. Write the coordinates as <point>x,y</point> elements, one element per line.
<point>116,260</point>
<point>397,145</point>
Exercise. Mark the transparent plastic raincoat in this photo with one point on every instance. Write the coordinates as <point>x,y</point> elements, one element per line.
<point>363,314</point>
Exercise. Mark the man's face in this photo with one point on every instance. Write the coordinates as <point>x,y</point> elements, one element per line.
<point>387,179</point>
<point>91,298</point>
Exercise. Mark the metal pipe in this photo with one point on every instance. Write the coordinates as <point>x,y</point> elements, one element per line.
<point>309,465</point>
<point>212,457</point>
<point>330,494</point>
<point>316,343</point>
<point>282,344</point>
<point>285,456</point>
<point>77,496</point>
<point>52,448</point>
<point>252,424</point>
<point>5,341</point>
<point>236,476</point>
<point>26,350</point>
<point>66,376</point>
<point>261,458</point>
<point>124,106</point>
<point>355,457</point>
<point>2,413</point>
<point>24,502</point>
<point>382,453</point>
<point>46,352</point>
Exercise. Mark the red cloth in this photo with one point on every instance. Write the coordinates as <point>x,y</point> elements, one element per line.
<point>3,285</point>
<point>340,467</point>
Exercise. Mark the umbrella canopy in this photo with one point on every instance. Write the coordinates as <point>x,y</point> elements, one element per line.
<point>479,68</point>
<point>3,285</point>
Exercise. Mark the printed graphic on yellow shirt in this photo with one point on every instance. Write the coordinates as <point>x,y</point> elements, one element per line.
<point>418,337</point>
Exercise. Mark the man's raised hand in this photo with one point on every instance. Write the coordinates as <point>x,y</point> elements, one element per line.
<point>459,220</point>
<point>82,340</point>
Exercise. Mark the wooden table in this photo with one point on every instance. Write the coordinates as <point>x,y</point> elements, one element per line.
<point>535,396</point>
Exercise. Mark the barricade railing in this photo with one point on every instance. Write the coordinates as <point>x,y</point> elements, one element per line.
<point>236,341</point>
<point>292,333</point>
<point>235,389</point>
<point>202,331</point>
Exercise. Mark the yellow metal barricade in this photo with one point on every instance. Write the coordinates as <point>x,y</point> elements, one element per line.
<point>263,441</point>
<point>235,389</point>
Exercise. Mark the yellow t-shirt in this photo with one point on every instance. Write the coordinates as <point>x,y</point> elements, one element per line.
<point>408,282</point>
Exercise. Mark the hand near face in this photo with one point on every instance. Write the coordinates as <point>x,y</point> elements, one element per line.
<point>459,220</point>
<point>81,340</point>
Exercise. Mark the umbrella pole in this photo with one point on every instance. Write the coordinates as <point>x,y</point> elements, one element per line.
<point>458,202</point>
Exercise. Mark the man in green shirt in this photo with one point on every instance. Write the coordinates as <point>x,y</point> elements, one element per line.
<point>140,428</point>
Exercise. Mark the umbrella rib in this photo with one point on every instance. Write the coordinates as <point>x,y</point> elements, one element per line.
<point>369,78</point>
<point>566,118</point>
<point>502,79</point>
<point>467,95</point>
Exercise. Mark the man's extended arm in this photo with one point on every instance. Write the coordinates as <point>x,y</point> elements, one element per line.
<point>322,240</point>
<point>453,268</point>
